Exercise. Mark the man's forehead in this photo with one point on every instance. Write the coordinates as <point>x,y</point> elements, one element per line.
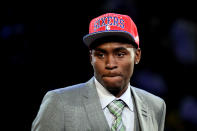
<point>114,45</point>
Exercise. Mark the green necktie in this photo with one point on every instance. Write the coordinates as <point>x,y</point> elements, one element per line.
<point>116,108</point>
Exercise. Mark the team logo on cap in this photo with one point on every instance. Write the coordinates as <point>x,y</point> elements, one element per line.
<point>107,27</point>
<point>108,22</point>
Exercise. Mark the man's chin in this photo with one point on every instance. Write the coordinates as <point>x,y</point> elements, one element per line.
<point>113,87</point>
<point>115,90</point>
<point>112,80</point>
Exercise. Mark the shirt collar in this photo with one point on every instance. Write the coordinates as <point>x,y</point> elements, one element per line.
<point>106,97</point>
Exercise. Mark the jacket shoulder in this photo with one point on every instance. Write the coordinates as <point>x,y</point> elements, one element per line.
<point>147,95</point>
<point>150,99</point>
<point>69,94</point>
<point>155,105</point>
<point>69,89</point>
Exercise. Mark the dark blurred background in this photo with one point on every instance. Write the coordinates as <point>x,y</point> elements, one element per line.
<point>42,49</point>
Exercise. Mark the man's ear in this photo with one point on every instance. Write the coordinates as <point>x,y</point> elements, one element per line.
<point>90,55</point>
<point>137,55</point>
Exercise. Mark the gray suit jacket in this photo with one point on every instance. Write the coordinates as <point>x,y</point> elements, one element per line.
<point>77,108</point>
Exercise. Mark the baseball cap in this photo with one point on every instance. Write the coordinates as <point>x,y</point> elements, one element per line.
<point>112,24</point>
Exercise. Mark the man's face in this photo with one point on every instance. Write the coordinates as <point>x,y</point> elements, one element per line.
<point>113,64</point>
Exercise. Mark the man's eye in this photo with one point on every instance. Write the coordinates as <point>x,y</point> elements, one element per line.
<point>120,54</point>
<point>100,55</point>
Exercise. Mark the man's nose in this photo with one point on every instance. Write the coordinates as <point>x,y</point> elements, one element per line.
<point>111,63</point>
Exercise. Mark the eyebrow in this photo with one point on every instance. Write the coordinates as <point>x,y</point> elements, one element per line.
<point>101,50</point>
<point>119,49</point>
<point>114,50</point>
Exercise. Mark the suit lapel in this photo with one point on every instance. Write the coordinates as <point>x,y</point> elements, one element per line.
<point>93,107</point>
<point>142,111</point>
<point>96,116</point>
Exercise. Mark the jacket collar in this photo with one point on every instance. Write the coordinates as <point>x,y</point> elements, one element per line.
<point>96,115</point>
<point>141,109</point>
<point>93,107</point>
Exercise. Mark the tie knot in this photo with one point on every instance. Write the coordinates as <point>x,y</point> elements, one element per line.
<point>116,107</point>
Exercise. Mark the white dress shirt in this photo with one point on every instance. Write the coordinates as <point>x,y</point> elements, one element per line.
<point>106,98</point>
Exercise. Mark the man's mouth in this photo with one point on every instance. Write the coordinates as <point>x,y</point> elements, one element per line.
<point>112,75</point>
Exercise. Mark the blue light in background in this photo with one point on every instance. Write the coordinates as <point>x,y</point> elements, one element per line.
<point>184,40</point>
<point>151,81</point>
<point>6,32</point>
<point>188,109</point>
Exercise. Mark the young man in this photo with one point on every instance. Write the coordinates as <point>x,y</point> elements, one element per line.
<point>107,101</point>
